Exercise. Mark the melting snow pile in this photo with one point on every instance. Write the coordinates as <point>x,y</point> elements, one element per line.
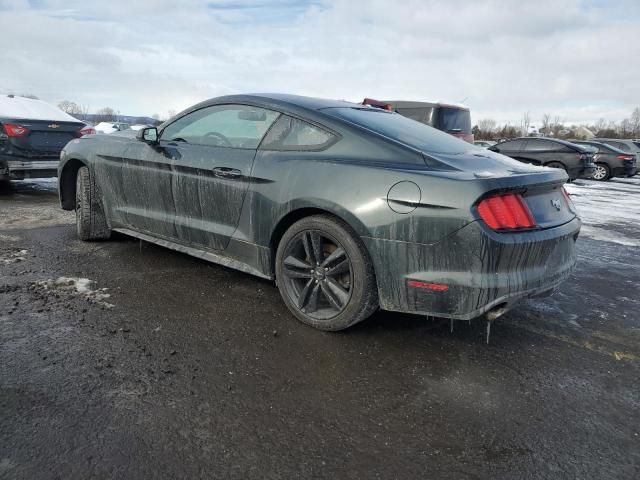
<point>77,287</point>
<point>609,210</point>
<point>13,257</point>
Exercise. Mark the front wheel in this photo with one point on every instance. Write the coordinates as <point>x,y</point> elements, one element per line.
<point>602,172</point>
<point>91,221</point>
<point>324,274</point>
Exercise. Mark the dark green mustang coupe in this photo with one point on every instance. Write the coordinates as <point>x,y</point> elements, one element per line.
<point>348,207</point>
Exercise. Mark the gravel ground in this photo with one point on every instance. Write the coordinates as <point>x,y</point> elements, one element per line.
<point>121,359</point>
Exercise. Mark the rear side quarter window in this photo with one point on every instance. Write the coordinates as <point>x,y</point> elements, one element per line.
<point>511,146</point>
<point>292,134</point>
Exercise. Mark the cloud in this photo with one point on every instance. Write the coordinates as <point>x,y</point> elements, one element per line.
<point>575,59</point>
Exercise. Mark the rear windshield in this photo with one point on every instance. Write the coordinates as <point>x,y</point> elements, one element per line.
<point>409,132</point>
<point>454,120</point>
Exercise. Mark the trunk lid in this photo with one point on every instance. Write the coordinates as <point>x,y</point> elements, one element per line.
<point>44,137</point>
<point>550,205</point>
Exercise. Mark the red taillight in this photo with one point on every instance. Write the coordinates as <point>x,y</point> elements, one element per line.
<point>377,104</point>
<point>15,130</point>
<point>436,287</point>
<point>625,157</point>
<point>86,130</point>
<point>506,212</point>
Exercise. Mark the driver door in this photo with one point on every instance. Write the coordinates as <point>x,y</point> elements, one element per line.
<point>212,152</point>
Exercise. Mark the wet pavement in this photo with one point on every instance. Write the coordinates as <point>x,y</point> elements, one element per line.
<point>165,366</point>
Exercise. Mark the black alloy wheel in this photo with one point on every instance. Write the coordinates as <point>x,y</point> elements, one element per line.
<point>324,273</point>
<point>317,274</point>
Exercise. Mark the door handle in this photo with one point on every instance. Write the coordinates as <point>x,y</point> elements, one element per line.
<point>226,172</point>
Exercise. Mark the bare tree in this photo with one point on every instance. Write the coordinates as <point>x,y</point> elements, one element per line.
<point>546,124</point>
<point>556,126</point>
<point>487,127</point>
<point>635,122</point>
<point>625,128</point>
<point>525,123</point>
<point>600,126</point>
<point>106,114</point>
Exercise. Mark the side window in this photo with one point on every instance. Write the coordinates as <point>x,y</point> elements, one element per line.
<point>231,126</point>
<point>534,145</point>
<point>289,133</point>
<point>622,146</point>
<point>511,146</point>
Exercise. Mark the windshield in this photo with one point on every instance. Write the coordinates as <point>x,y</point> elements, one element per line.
<point>454,120</point>
<point>395,126</point>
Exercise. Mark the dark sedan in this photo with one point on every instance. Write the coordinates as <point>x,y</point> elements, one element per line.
<point>348,208</point>
<point>32,134</point>
<point>577,161</point>
<point>610,161</point>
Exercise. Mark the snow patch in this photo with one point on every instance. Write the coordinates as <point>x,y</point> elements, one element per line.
<point>31,109</point>
<point>14,256</point>
<point>609,210</point>
<point>604,235</point>
<point>75,286</point>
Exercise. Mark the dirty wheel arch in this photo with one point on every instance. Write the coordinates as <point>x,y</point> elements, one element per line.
<point>556,165</point>
<point>305,247</point>
<point>91,221</point>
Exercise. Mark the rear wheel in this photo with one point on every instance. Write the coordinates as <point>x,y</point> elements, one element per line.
<point>91,221</point>
<point>5,185</point>
<point>324,274</point>
<point>602,172</point>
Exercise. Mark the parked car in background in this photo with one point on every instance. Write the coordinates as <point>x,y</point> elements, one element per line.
<point>484,143</point>
<point>576,160</point>
<point>453,119</point>
<point>4,172</point>
<point>611,161</point>
<point>111,127</point>
<point>626,145</point>
<point>265,184</point>
<point>139,126</point>
<point>32,134</point>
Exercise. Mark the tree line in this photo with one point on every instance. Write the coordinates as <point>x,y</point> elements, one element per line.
<point>553,126</point>
<point>105,114</point>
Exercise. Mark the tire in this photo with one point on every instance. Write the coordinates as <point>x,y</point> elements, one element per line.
<point>325,275</point>
<point>602,173</point>
<point>91,221</point>
<point>5,186</point>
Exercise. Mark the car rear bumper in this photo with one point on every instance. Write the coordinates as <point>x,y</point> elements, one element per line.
<point>32,168</point>
<point>625,171</point>
<point>474,269</point>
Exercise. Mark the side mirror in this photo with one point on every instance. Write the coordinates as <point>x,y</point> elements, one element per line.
<point>148,135</point>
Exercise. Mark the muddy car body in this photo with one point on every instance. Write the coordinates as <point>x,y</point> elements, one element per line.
<point>347,207</point>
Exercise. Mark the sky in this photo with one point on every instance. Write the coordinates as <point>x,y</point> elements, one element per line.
<point>575,59</point>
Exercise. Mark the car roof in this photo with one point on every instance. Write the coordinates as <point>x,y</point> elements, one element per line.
<point>309,103</point>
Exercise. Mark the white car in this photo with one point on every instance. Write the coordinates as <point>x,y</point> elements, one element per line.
<point>110,127</point>
<point>139,126</point>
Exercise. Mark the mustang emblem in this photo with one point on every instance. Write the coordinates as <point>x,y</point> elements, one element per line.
<point>53,125</point>
<point>556,203</point>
